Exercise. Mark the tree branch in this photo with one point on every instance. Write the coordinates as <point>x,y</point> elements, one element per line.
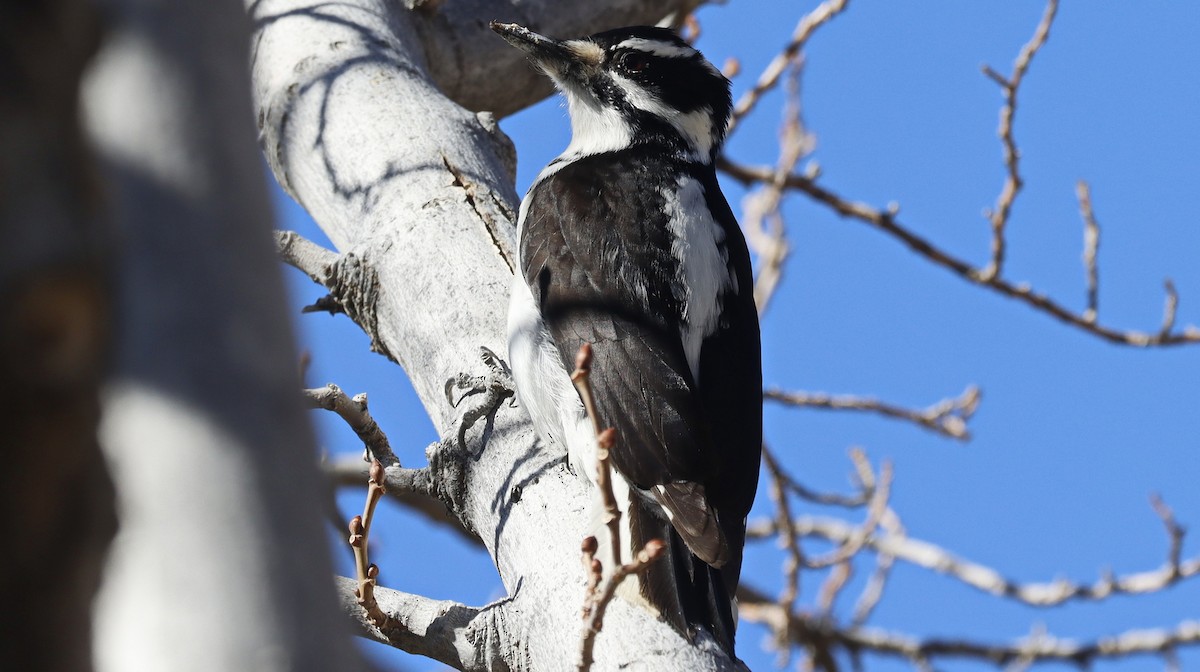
<point>986,579</point>
<point>990,275</point>
<point>770,76</point>
<point>1012,155</point>
<point>354,412</point>
<point>888,222</point>
<point>411,488</point>
<point>445,631</point>
<point>1091,245</point>
<point>1038,647</point>
<point>948,417</point>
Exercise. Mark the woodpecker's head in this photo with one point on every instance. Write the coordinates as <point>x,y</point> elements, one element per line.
<point>633,86</point>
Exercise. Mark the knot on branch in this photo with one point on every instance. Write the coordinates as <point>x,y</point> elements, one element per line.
<point>354,284</point>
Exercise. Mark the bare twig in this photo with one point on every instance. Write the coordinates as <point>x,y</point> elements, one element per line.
<point>366,573</point>
<point>876,510</point>
<point>325,304</point>
<point>604,443</point>
<point>651,552</point>
<point>438,629</point>
<point>794,558</point>
<point>354,412</point>
<point>754,606</point>
<point>861,498</point>
<point>948,417</point>
<point>832,586</point>
<point>1175,534</point>
<point>981,577</point>
<point>778,65</point>
<point>303,254</point>
<point>1012,155</point>
<point>412,488</point>
<point>594,570</point>
<point>872,592</point>
<point>1091,245</point>
<point>1170,306</point>
<point>762,219</point>
<point>886,221</point>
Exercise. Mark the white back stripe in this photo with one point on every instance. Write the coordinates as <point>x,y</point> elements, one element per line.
<point>704,273</point>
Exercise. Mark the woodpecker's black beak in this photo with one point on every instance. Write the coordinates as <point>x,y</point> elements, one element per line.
<point>556,57</point>
<point>538,46</point>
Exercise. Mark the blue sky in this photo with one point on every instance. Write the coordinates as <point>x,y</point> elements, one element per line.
<point>1073,433</point>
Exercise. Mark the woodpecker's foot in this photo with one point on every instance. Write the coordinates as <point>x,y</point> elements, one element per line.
<point>496,386</point>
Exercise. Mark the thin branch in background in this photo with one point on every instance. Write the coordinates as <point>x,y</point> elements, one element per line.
<point>872,592</point>
<point>866,484</point>
<point>774,71</point>
<point>819,632</point>
<point>1170,306</point>
<point>948,417</point>
<point>876,509</point>
<point>1091,246</point>
<point>794,558</point>
<point>354,412</point>
<point>367,573</point>
<point>887,222</point>
<point>1012,155</point>
<point>762,219</point>
<point>1175,534</point>
<point>832,586</point>
<point>731,68</point>
<point>986,579</point>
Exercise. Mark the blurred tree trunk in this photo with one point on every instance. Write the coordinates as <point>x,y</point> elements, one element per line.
<point>56,500</point>
<point>221,562</point>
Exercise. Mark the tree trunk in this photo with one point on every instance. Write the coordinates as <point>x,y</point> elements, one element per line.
<point>221,562</point>
<point>417,194</point>
<point>56,499</point>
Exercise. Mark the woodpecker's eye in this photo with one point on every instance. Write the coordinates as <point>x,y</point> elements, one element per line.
<point>633,62</point>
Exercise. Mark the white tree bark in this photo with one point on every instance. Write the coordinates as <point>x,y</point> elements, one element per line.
<point>221,562</point>
<point>416,193</point>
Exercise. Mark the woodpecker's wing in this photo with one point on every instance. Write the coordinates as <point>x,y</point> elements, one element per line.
<point>596,251</point>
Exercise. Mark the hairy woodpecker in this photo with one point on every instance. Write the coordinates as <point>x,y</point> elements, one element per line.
<point>627,243</point>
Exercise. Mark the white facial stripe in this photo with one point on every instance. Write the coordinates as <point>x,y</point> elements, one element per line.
<point>664,49</point>
<point>695,126</point>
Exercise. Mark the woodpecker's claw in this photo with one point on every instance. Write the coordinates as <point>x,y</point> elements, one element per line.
<point>496,385</point>
<point>498,380</point>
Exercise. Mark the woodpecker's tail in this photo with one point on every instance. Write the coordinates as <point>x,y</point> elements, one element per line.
<point>687,592</point>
